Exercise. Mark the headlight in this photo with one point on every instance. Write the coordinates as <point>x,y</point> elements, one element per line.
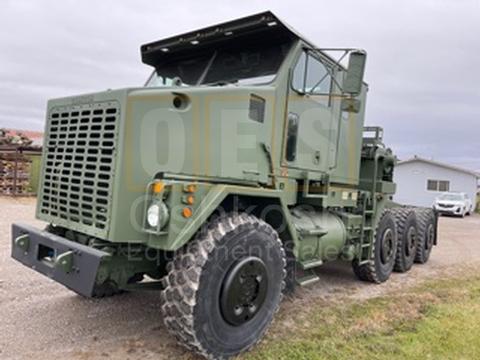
<point>153,215</point>
<point>157,215</point>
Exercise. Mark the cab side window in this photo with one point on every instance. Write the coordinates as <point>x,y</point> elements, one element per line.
<point>311,76</point>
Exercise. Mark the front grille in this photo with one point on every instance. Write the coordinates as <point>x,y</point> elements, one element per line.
<point>447,206</point>
<point>79,166</point>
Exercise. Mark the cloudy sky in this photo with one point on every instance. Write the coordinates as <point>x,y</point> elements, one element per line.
<point>423,65</point>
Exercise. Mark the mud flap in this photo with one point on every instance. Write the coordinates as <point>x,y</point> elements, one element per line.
<point>69,263</point>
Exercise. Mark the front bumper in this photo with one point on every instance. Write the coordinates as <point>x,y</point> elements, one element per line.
<point>69,263</point>
<point>456,210</point>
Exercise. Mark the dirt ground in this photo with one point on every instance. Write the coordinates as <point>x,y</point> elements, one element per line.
<point>43,320</point>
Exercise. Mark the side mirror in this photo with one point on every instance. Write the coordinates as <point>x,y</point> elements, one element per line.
<point>355,72</point>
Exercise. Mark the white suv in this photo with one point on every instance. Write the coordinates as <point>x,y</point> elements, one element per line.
<point>453,204</point>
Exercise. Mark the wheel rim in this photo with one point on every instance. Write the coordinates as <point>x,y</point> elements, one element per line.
<point>411,240</point>
<point>244,290</point>
<point>430,237</point>
<point>388,246</point>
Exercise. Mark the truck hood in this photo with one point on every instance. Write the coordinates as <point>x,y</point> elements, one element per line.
<point>450,202</point>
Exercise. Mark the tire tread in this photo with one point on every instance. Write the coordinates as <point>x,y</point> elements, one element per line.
<point>368,272</point>
<point>401,217</point>
<point>424,216</point>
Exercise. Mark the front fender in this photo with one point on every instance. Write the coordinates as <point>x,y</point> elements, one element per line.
<point>180,230</point>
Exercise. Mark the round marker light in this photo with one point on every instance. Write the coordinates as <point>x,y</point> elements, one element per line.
<point>190,188</point>
<point>187,212</point>
<point>158,187</point>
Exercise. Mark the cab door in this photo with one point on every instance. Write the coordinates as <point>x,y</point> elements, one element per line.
<point>311,135</point>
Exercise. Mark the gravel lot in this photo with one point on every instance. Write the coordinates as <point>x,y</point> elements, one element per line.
<point>43,320</point>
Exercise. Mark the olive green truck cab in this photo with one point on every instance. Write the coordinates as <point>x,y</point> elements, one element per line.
<point>239,168</point>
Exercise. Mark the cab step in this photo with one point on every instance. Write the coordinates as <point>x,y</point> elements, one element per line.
<point>307,280</point>
<point>311,264</point>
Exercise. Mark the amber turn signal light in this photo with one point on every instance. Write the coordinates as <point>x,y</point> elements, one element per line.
<point>187,212</point>
<point>190,188</point>
<point>158,187</point>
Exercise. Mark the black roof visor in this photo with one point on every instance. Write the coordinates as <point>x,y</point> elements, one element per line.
<point>264,25</point>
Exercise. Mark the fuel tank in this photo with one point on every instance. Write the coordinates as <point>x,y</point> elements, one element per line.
<point>322,234</point>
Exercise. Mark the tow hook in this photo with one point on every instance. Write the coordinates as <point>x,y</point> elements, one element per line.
<point>23,242</point>
<point>65,261</point>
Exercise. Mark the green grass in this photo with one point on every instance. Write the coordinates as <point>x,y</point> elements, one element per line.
<point>439,320</point>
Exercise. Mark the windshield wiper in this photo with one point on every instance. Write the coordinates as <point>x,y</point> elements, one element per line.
<point>207,68</point>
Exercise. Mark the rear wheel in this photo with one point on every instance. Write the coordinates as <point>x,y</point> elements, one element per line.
<point>426,234</point>
<point>381,264</point>
<point>223,289</point>
<point>407,229</point>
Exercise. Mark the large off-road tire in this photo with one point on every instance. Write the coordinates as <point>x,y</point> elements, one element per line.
<point>381,264</point>
<point>223,289</point>
<point>426,234</point>
<point>407,230</point>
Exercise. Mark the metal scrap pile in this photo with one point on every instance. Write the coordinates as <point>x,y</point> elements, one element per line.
<point>14,166</point>
<point>19,139</point>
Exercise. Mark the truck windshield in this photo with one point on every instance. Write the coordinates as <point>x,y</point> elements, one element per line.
<point>251,64</point>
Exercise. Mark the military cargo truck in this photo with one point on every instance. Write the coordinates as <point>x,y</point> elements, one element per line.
<point>239,168</point>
